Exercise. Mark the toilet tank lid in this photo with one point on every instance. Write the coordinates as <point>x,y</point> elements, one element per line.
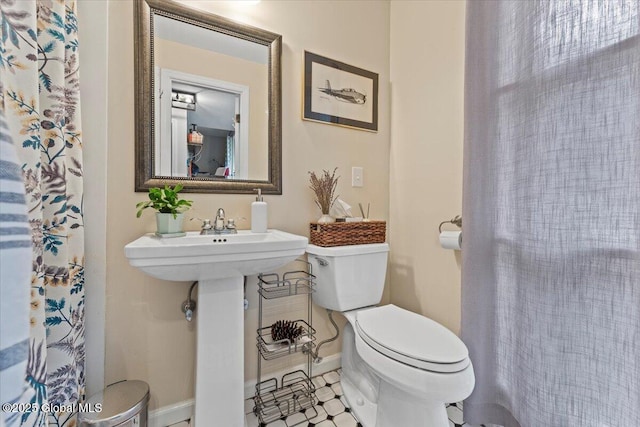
<point>347,250</point>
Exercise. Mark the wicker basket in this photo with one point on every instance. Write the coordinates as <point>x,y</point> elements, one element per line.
<point>347,233</point>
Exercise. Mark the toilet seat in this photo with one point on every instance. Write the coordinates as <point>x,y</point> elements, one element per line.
<point>412,339</point>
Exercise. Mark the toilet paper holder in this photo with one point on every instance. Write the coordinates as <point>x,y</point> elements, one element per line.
<point>457,220</point>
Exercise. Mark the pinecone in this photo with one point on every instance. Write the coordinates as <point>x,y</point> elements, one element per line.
<point>286,330</point>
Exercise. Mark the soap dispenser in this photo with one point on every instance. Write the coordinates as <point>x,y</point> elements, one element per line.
<point>259,214</point>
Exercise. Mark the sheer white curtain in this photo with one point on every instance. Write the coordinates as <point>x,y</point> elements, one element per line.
<point>551,258</point>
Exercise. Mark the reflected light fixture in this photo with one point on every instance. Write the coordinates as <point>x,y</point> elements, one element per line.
<point>184,100</point>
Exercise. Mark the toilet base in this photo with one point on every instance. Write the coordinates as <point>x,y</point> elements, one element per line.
<point>377,403</point>
<point>364,410</point>
<point>394,408</point>
<point>398,408</point>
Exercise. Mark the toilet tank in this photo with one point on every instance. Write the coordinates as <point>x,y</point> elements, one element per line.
<point>348,277</point>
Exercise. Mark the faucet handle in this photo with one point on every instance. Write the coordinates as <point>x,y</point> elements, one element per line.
<point>231,224</point>
<point>206,225</point>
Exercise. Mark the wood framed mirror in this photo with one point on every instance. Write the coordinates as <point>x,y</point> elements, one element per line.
<point>208,101</point>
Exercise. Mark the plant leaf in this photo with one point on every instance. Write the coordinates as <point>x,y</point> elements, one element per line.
<point>53,321</point>
<point>165,200</point>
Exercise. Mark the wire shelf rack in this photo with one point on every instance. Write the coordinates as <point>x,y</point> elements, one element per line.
<point>295,393</point>
<point>274,285</point>
<point>270,349</point>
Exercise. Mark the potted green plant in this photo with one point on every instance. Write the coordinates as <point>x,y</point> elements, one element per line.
<point>170,208</point>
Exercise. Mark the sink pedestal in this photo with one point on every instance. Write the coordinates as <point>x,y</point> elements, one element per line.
<point>220,353</point>
<point>219,264</point>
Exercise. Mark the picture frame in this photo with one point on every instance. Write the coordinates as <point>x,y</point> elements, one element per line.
<point>339,93</point>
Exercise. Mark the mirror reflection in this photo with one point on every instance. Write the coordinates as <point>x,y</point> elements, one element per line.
<point>211,103</point>
<point>208,105</point>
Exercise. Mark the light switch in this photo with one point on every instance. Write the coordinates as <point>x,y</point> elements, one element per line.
<point>357,177</point>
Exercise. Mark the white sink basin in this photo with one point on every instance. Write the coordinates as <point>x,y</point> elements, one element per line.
<point>218,263</point>
<point>196,257</point>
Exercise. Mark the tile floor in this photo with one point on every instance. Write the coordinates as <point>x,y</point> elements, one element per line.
<point>332,409</point>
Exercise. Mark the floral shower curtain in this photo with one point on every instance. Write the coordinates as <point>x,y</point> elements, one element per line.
<point>551,257</point>
<point>40,97</point>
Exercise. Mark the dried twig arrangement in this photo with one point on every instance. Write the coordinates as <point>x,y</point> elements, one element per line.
<point>324,187</point>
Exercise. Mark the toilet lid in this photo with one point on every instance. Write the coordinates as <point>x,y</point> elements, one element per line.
<point>412,339</point>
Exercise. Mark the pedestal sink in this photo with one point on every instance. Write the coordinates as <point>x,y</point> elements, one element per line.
<point>219,263</point>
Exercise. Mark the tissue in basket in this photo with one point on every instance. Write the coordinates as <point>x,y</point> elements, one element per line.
<point>347,233</point>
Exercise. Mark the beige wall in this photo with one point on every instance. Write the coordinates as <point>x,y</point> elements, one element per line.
<point>200,62</point>
<point>93,31</point>
<point>146,334</point>
<point>427,70</point>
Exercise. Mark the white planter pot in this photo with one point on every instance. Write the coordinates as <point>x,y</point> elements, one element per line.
<point>326,219</point>
<point>167,224</point>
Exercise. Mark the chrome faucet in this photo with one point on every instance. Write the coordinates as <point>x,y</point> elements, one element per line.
<point>218,224</point>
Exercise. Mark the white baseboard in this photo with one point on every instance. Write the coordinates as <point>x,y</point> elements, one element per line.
<point>172,414</point>
<point>183,411</point>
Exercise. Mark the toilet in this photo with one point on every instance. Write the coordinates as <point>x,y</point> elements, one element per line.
<point>398,368</point>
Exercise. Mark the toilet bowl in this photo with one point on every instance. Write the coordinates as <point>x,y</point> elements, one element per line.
<point>398,368</point>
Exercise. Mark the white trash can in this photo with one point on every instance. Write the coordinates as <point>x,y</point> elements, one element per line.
<point>123,404</point>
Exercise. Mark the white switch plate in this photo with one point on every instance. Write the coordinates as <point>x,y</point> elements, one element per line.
<point>357,177</point>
